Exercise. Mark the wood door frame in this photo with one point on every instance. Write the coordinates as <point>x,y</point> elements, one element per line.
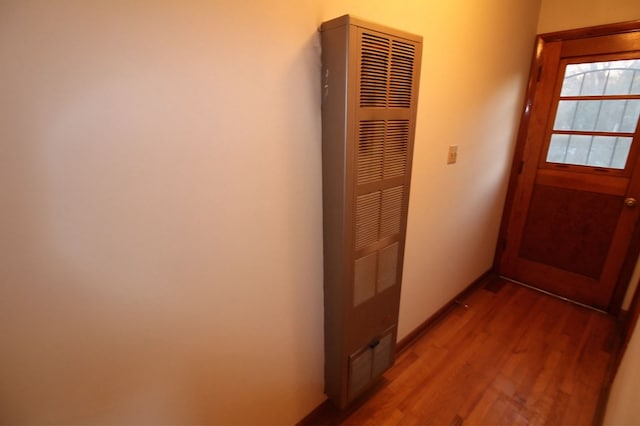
<point>521,143</point>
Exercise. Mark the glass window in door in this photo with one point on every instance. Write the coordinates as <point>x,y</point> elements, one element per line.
<point>597,114</point>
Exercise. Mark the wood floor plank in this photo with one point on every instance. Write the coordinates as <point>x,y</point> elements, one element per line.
<point>505,355</point>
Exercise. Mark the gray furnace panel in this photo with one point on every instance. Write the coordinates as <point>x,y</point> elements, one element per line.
<point>370,76</point>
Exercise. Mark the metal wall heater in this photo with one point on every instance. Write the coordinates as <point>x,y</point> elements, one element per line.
<point>370,76</point>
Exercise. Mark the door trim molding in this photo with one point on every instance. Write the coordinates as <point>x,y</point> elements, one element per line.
<point>599,30</point>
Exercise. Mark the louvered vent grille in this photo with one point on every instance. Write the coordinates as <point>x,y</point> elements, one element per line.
<point>370,151</point>
<point>386,72</point>
<point>378,215</point>
<point>387,267</point>
<point>386,81</point>
<point>401,75</point>
<point>367,218</point>
<point>391,211</point>
<point>364,278</point>
<point>395,149</point>
<point>382,149</point>
<point>374,70</point>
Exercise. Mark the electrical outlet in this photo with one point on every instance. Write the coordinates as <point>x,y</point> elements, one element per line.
<point>453,154</point>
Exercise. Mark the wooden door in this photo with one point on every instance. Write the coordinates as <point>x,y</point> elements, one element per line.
<point>572,207</point>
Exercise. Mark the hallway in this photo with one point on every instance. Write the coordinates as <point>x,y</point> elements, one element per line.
<point>505,355</point>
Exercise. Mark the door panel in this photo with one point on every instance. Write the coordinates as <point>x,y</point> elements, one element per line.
<point>569,229</point>
<point>568,224</point>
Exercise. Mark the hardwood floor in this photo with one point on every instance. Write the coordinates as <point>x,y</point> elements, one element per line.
<point>508,355</point>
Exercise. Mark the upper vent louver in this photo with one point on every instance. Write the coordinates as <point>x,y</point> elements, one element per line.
<point>401,75</point>
<point>374,71</point>
<point>386,72</point>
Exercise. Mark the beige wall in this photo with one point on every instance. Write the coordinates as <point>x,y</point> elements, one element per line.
<point>160,241</point>
<point>557,15</point>
<point>622,408</point>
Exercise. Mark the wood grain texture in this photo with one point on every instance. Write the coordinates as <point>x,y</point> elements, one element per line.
<point>512,356</point>
<point>570,230</point>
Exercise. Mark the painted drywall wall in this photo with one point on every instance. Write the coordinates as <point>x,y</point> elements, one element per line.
<point>559,15</point>
<point>622,408</point>
<point>161,212</point>
<point>160,190</point>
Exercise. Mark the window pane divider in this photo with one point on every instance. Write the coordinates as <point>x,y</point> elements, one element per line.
<point>593,133</point>
<point>600,98</point>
